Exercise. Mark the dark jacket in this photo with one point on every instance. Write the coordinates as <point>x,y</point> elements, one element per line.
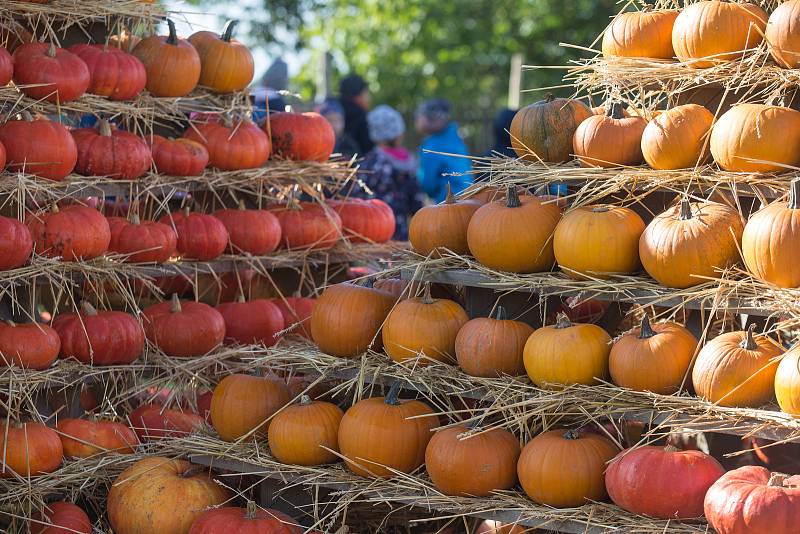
<point>355,125</point>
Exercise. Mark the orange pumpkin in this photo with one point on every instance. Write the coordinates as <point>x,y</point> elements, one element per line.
<point>172,64</point>
<point>82,438</point>
<point>787,382</point>
<point>28,449</point>
<point>226,65</point>
<point>543,131</point>
<point>29,345</point>
<point>609,140</point>
<point>782,35</point>
<point>678,138</point>
<point>60,518</point>
<point>242,405</point>
<point>301,433</point>
<point>492,346</point>
<point>643,33</point>
<point>440,227</point>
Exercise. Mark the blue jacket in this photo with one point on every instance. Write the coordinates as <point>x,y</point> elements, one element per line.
<point>435,170</point>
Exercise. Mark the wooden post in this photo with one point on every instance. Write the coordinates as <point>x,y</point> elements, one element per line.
<point>515,81</point>
<point>324,76</point>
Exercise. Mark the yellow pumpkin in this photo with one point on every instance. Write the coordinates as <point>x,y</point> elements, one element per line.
<point>609,140</point>
<point>782,35</point>
<point>645,33</point>
<point>787,382</point>
<point>678,138</point>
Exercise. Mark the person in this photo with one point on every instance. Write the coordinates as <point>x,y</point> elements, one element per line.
<point>332,110</point>
<point>388,169</point>
<point>355,99</point>
<point>502,137</point>
<point>442,153</point>
<point>267,96</point>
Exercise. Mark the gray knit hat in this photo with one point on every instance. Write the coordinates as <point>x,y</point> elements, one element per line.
<point>385,124</point>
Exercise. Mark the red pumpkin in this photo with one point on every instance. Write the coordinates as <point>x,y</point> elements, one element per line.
<point>6,67</point>
<point>250,520</point>
<point>39,147</point>
<point>257,321</point>
<point>365,221</point>
<point>184,328</point>
<point>114,153</point>
<point>113,73</point>
<point>178,157</point>
<point>99,338</point>
<point>301,136</point>
<point>681,478</point>
<point>28,449</point>
<point>232,146</point>
<point>308,225</point>
<point>29,345</point>
<point>254,231</point>
<point>82,438</point>
<point>151,422</point>
<point>142,242</point>
<point>296,310</point>
<point>73,233</point>
<point>61,518</point>
<point>200,236</point>
<point>46,72</point>
<point>16,244</point>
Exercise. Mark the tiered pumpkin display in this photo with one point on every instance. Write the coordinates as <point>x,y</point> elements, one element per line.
<point>226,65</point>
<point>465,461</point>
<point>113,73</point>
<point>690,243</point>
<point>250,322</point>
<point>255,231</point>
<point>514,235</point>
<point>28,449</point>
<point>200,236</point>
<point>737,369</point>
<point>782,35</point>
<point>232,145</point>
<point>751,499</point>
<point>46,72</point>
<point>60,518</point>
<point>682,479</point>
<point>381,435</point>
<point>567,353</point>
<point>423,327</point>
<point>28,345</point>
<point>598,241</point>
<point>82,438</point>
<point>181,328</point>
<point>543,131</point>
<point>609,140</point>
<point>178,157</point>
<point>16,244</point>
<point>492,346</point>
<point>103,151</point>
<point>250,520</point>
<point>365,221</point>
<point>564,468</point>
<point>39,147</point>
<point>711,32</point>
<point>172,64</point>
<point>301,136</point>
<point>787,382</point>
<point>242,405</point>
<point>653,358</point>
<point>142,241</point>
<point>308,226</point>
<point>161,495</point>
<point>347,319</point>
<point>678,138</point>
<point>152,422</point>
<point>99,337</point>
<point>771,241</point>
<point>73,233</point>
<point>643,34</point>
<point>306,433</point>
<point>297,310</point>
<point>436,228</point>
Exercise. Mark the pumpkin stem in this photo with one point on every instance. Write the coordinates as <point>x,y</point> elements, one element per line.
<point>600,209</point>
<point>26,116</point>
<point>778,480</point>
<point>794,194</point>
<point>242,206</point>
<point>187,211</point>
<point>87,308</point>
<point>686,209</point>
<point>240,298</point>
<point>54,209</point>
<point>549,97</point>
<point>749,342</point>
<point>104,127</point>
<point>173,33</point>
<point>135,218</point>
<point>392,398</point>
<point>615,111</point>
<point>562,321</point>
<point>671,448</point>
<point>10,323</point>
<point>252,510</point>
<point>645,331</point>
<point>513,197</point>
<point>571,435</point>
<point>500,314</point>
<point>192,471</point>
<point>51,50</point>
<point>305,400</point>
<point>227,31</point>
<point>449,199</point>
<point>426,294</point>
<point>176,304</point>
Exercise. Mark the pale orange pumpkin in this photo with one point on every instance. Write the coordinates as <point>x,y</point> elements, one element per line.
<point>243,405</point>
<point>782,35</point>
<point>492,346</point>
<point>440,227</point>
<point>678,138</point>
<point>787,382</point>
<point>609,140</point>
<point>646,34</point>
<point>300,434</point>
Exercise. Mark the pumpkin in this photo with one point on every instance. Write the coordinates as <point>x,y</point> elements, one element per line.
<point>73,233</point>
<point>771,241</point>
<point>609,140</point>
<point>100,338</point>
<point>151,422</point>
<point>296,310</point>
<point>643,33</point>
<point>178,157</point>
<point>492,346</point>
<point>784,43</point>
<point>45,72</point>
<point>681,477</point>
<point>250,520</point>
<point>423,328</point>
<point>60,518</point>
<point>365,221</point>
<point>243,405</point>
<point>114,153</point>
<point>514,235</point>
<point>439,227</point>
<point>678,138</point>
<point>567,353</point>
<point>232,146</point>
<point>598,241</point>
<point>226,65</point>
<point>564,468</point>
<point>300,434</point>
<point>181,328</point>
<point>161,495</point>
<point>16,244</point>
<point>28,449</point>
<point>490,526</point>
<point>543,131</point>
<point>257,321</point>
<point>787,382</point>
<point>690,243</point>
<point>125,40</point>
<point>29,345</point>
<point>301,136</point>
<point>172,64</point>
<point>200,236</point>
<point>254,231</point>
<point>39,147</point>
<point>737,369</point>
<point>308,225</point>
<point>347,319</point>
<point>652,358</point>
<point>113,73</point>
<point>142,242</point>
<point>82,438</point>
<point>6,67</point>
<point>708,33</point>
<point>756,138</point>
<point>751,499</point>
<point>475,466</point>
<point>382,435</point>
